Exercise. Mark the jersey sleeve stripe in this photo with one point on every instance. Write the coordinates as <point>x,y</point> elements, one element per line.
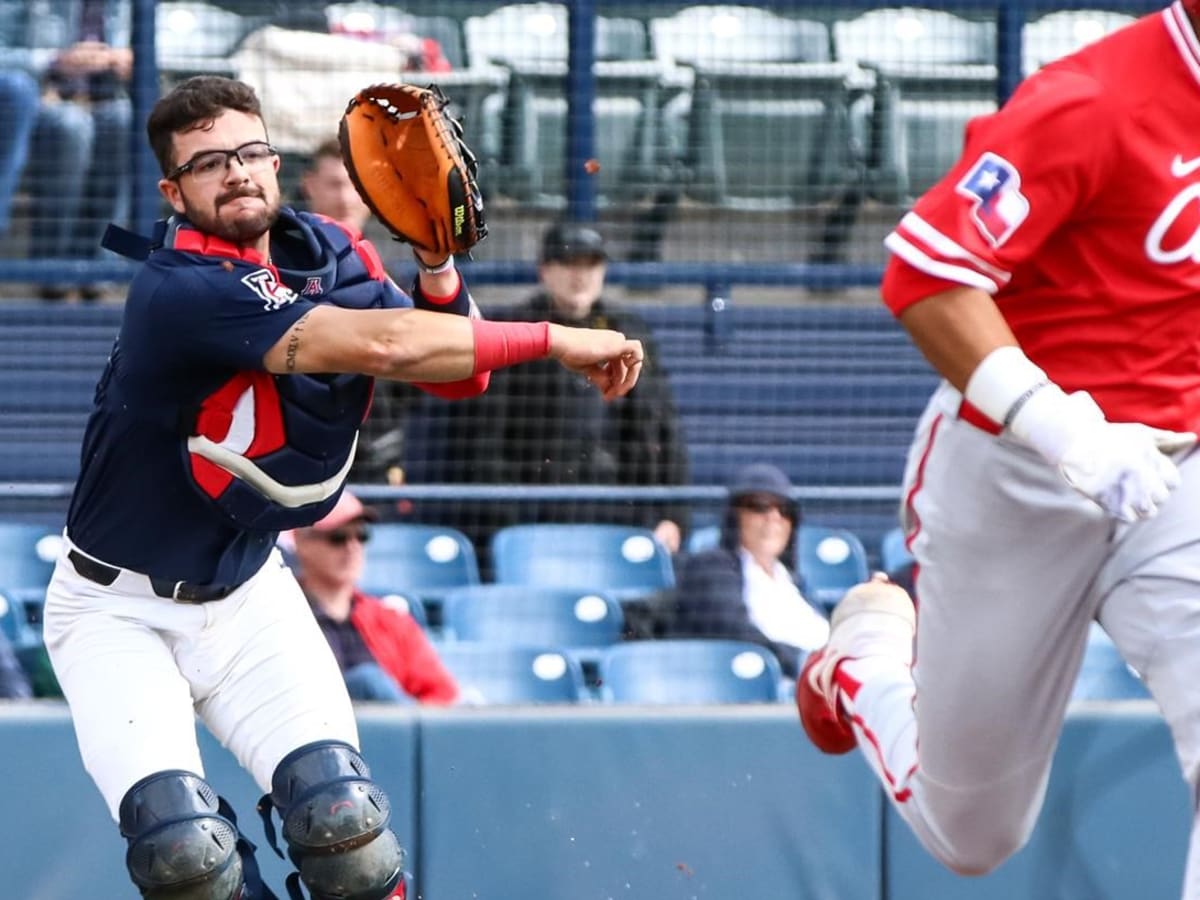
<point>1184,37</point>
<point>947,272</point>
<point>943,246</point>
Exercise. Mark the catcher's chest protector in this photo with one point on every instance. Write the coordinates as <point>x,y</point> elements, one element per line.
<point>272,452</point>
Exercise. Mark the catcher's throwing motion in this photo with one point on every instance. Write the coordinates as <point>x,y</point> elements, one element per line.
<point>229,411</point>
<point>1052,278</point>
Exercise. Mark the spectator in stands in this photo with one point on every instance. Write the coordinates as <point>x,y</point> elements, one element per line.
<point>18,113</point>
<point>743,589</point>
<point>379,24</point>
<point>80,147</point>
<point>536,427</point>
<point>327,190</point>
<point>14,683</point>
<point>383,653</point>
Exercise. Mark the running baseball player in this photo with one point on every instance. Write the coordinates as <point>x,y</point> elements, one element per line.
<point>221,419</point>
<point>1051,277</point>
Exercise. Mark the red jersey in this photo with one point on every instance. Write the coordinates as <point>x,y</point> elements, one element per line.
<point>402,650</point>
<point>1077,207</point>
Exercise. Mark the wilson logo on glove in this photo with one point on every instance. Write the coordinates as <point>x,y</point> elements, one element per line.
<point>410,164</point>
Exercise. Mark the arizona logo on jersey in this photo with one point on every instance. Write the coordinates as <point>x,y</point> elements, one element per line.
<point>264,283</point>
<point>993,185</point>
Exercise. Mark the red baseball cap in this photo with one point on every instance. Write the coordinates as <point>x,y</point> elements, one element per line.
<point>348,509</point>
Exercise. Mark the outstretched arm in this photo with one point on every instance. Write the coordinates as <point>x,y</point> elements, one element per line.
<point>417,345</point>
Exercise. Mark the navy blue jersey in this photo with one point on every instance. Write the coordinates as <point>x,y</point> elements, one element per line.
<point>200,316</point>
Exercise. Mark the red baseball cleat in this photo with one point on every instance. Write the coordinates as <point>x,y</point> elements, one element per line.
<point>874,617</point>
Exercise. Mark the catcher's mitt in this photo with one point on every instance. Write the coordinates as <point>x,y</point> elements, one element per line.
<point>406,156</point>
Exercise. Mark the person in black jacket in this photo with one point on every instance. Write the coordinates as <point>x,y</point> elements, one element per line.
<point>743,589</point>
<point>537,427</point>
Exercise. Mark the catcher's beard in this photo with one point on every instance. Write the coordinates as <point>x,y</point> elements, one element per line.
<point>240,230</point>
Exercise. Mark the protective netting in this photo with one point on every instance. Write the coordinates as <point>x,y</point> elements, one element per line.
<point>727,143</point>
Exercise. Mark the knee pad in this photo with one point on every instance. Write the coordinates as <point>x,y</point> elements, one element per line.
<point>335,823</point>
<point>181,846</point>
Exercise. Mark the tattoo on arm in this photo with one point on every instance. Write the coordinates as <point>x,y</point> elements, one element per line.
<point>293,346</point>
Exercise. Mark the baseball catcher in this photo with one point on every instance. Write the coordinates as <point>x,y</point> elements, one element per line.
<point>248,357</point>
<point>407,157</point>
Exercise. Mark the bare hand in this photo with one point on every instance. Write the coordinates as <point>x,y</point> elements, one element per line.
<point>608,359</point>
<point>120,60</point>
<point>669,535</point>
<point>84,58</point>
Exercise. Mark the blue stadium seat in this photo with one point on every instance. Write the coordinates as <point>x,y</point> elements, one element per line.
<point>894,556</point>
<point>50,360</point>
<point>689,672</point>
<point>815,431</point>
<point>489,673</point>
<point>34,388</point>
<point>704,538</point>
<point>712,457</point>
<point>830,562</point>
<point>626,562</point>
<point>801,358</point>
<point>27,555</point>
<point>535,615</point>
<point>868,321</point>
<point>426,560</point>
<point>34,459</point>
<point>404,603</point>
<point>748,392</point>
<point>1104,674</point>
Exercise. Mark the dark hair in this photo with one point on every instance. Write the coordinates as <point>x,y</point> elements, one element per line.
<point>195,103</point>
<point>330,148</point>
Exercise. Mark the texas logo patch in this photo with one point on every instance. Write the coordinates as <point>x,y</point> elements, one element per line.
<point>993,185</point>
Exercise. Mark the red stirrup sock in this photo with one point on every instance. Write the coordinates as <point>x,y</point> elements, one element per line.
<point>500,344</point>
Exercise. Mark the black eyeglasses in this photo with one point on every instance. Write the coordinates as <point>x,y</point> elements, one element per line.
<point>212,164</point>
<point>340,537</point>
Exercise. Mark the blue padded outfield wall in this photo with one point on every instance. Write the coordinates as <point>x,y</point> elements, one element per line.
<point>608,804</point>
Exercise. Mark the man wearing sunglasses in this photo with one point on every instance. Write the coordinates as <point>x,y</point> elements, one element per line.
<point>228,412</point>
<point>383,653</point>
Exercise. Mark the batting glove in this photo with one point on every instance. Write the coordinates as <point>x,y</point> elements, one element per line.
<point>1123,467</point>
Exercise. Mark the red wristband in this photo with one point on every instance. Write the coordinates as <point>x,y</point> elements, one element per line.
<point>500,344</point>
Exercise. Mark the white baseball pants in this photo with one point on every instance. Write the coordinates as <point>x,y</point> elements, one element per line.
<point>1014,566</point>
<point>136,669</point>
